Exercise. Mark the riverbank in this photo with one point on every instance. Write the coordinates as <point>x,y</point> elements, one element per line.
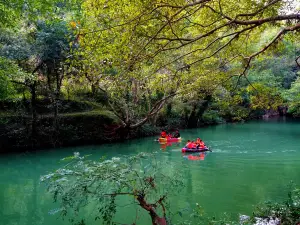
<point>83,123</point>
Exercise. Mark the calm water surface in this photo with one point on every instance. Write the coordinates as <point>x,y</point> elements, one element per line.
<point>250,163</point>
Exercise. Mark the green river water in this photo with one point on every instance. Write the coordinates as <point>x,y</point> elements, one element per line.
<point>250,163</point>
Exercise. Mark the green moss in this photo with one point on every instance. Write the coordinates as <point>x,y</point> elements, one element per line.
<point>103,113</point>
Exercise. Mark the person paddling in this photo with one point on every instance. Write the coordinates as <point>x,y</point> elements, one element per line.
<point>202,145</point>
<point>187,144</point>
<point>177,134</point>
<point>163,134</point>
<point>198,142</point>
<point>191,144</point>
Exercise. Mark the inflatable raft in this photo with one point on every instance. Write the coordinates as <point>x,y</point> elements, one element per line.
<point>169,139</point>
<point>205,149</point>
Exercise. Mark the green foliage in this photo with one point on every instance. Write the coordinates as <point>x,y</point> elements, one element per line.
<point>14,11</point>
<point>141,179</point>
<point>52,39</point>
<point>6,89</point>
<point>212,117</point>
<point>230,106</point>
<point>198,216</point>
<point>129,55</point>
<point>148,130</point>
<point>8,70</point>
<point>293,98</point>
<point>288,212</point>
<point>277,69</point>
<point>263,97</point>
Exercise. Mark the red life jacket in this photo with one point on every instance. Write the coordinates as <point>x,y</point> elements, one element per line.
<point>163,134</point>
<point>191,145</point>
<point>202,145</point>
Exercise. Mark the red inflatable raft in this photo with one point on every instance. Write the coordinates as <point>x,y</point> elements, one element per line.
<point>205,149</point>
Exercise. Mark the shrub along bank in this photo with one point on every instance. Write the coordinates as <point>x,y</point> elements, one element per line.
<point>82,123</point>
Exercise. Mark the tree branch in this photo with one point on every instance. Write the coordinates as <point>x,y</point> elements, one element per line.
<point>173,16</point>
<point>297,62</point>
<point>266,20</point>
<point>155,109</point>
<point>211,55</point>
<point>119,193</point>
<point>282,32</point>
<point>205,48</point>
<point>258,11</point>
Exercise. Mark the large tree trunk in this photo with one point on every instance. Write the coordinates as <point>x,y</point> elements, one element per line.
<point>156,220</point>
<point>197,112</point>
<point>204,107</point>
<point>192,119</point>
<point>58,81</point>
<point>33,112</point>
<point>56,100</point>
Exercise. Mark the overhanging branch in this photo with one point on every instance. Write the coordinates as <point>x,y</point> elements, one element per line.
<point>281,33</point>
<point>155,109</point>
<point>297,61</point>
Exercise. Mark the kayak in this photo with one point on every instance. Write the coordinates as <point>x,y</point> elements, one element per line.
<point>205,149</point>
<point>169,139</point>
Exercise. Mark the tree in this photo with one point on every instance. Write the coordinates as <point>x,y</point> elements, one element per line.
<point>263,97</point>
<point>187,42</point>
<point>7,69</point>
<point>18,48</point>
<point>14,11</point>
<point>41,52</point>
<point>172,26</point>
<point>142,178</point>
<point>54,45</point>
<point>278,68</point>
<point>293,98</point>
<point>132,96</point>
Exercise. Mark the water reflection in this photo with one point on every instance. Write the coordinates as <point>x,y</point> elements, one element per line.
<point>167,145</point>
<point>195,156</point>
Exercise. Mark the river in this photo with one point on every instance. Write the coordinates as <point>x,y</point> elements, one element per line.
<point>251,162</point>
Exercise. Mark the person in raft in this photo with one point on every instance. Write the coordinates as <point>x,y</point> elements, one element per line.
<point>187,144</point>
<point>190,144</point>
<point>163,134</point>
<point>200,143</point>
<point>177,134</point>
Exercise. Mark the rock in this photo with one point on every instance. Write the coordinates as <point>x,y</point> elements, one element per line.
<point>267,221</point>
<point>244,219</point>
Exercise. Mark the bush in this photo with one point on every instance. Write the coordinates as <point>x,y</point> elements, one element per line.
<point>288,212</point>
<point>212,117</point>
<point>147,130</point>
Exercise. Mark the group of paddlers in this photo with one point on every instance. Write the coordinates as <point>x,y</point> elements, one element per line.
<point>198,144</point>
<point>164,134</point>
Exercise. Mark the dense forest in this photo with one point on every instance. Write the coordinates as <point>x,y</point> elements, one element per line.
<point>76,72</point>
<point>84,72</point>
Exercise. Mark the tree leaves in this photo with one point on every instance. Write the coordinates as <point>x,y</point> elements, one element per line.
<point>82,182</point>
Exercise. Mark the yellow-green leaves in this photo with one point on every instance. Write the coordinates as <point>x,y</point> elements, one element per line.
<point>263,97</point>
